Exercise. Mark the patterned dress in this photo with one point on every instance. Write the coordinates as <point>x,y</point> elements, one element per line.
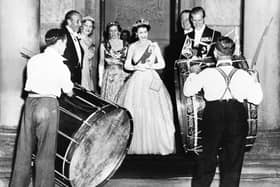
<point>114,74</point>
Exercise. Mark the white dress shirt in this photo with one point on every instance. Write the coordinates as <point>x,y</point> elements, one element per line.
<point>242,85</point>
<point>198,35</point>
<point>188,31</point>
<point>74,36</point>
<point>47,74</point>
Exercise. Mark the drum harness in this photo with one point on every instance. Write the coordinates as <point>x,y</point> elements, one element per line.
<point>198,148</point>
<point>227,79</point>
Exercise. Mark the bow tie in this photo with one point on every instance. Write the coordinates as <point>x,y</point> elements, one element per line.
<point>76,38</point>
<point>76,35</point>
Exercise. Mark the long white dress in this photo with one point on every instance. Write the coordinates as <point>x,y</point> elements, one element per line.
<point>147,99</point>
<point>88,63</point>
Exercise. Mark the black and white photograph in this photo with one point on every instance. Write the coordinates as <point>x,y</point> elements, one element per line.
<point>139,93</point>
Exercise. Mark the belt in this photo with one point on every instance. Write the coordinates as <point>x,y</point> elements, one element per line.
<point>224,101</point>
<point>32,94</point>
<point>113,65</point>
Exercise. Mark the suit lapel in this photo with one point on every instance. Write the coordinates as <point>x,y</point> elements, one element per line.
<point>82,53</point>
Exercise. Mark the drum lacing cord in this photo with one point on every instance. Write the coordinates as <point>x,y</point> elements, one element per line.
<point>196,148</point>
<point>192,116</point>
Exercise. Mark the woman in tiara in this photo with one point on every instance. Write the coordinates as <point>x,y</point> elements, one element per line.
<point>112,56</point>
<point>146,97</point>
<point>88,67</point>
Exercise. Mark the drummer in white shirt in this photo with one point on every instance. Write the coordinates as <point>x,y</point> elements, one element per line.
<point>224,122</point>
<point>47,75</point>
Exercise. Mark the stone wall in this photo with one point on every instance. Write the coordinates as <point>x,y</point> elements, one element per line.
<point>157,12</point>
<point>19,31</point>
<point>256,18</point>
<point>224,16</point>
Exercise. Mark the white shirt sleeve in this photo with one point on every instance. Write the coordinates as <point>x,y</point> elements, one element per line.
<point>254,94</point>
<point>193,84</point>
<point>32,72</point>
<point>66,83</point>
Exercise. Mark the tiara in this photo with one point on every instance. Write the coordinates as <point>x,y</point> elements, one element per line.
<point>113,23</point>
<point>141,22</point>
<point>89,18</point>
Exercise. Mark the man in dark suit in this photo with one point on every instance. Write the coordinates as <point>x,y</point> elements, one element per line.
<point>203,38</point>
<point>173,53</point>
<point>184,28</point>
<point>73,52</point>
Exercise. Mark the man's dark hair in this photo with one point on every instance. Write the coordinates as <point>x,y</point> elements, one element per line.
<point>53,35</point>
<point>178,23</point>
<point>184,11</point>
<point>68,16</point>
<point>225,46</point>
<point>125,35</point>
<point>197,9</point>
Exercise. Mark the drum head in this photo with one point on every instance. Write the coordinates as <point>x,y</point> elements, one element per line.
<point>102,149</point>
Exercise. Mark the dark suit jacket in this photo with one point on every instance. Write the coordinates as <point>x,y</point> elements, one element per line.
<point>178,43</point>
<point>72,61</point>
<point>208,40</point>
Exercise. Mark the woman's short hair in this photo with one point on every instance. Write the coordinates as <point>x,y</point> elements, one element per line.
<point>53,35</point>
<point>88,18</point>
<point>141,23</point>
<point>91,19</point>
<point>111,24</point>
<point>114,23</point>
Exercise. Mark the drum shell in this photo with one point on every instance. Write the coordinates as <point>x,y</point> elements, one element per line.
<point>185,108</point>
<point>252,118</point>
<point>190,134</point>
<point>88,126</point>
<point>240,62</point>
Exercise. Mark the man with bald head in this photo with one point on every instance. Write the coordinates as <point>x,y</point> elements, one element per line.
<point>73,52</point>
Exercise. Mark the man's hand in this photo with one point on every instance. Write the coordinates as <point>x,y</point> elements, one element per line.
<point>70,93</point>
<point>255,75</point>
<point>195,68</point>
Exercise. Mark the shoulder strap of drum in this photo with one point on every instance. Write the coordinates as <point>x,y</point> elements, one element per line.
<point>212,42</point>
<point>213,35</point>
<point>227,79</point>
<point>187,44</point>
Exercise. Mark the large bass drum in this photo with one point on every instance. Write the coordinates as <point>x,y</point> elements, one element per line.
<point>190,109</point>
<point>252,109</point>
<point>93,139</point>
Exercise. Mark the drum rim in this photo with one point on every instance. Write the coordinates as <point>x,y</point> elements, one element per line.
<point>179,105</point>
<point>120,158</point>
<point>64,179</point>
<point>251,136</point>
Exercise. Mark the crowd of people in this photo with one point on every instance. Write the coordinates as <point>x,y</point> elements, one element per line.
<point>126,74</point>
